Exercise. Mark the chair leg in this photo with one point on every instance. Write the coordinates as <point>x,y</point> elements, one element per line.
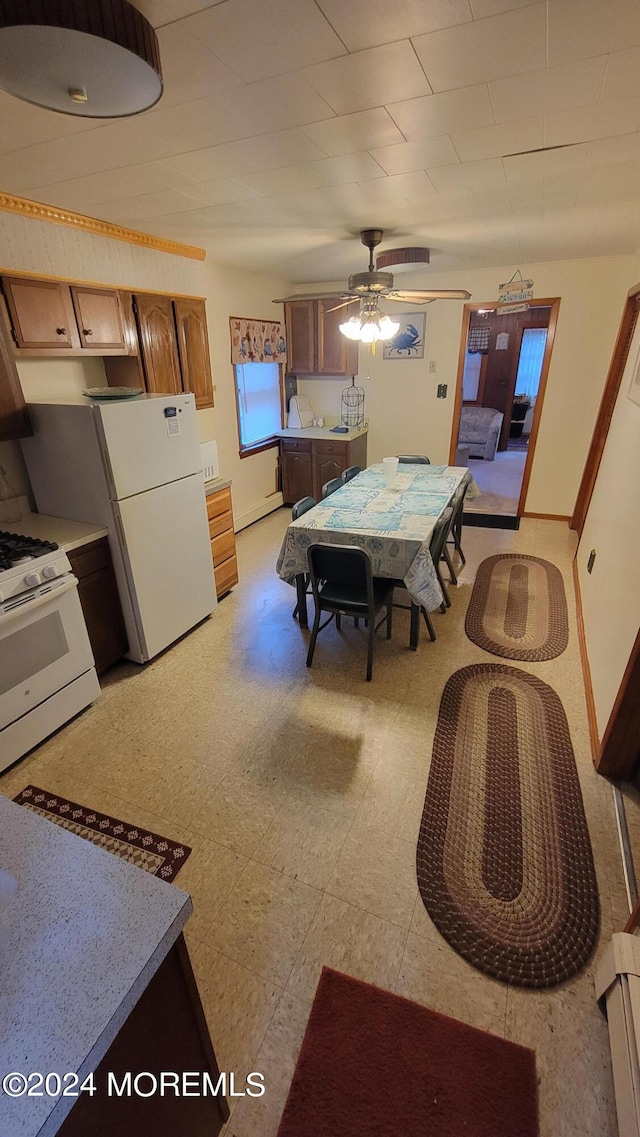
<point>338,621</point>
<point>314,636</point>
<point>372,632</point>
<point>449,563</point>
<point>447,601</point>
<point>389,619</point>
<point>456,540</point>
<point>430,627</point>
<point>356,621</point>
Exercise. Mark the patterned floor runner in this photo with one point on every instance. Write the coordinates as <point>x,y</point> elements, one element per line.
<point>150,851</point>
<point>504,860</point>
<point>518,608</point>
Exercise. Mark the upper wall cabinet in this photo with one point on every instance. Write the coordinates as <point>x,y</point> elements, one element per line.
<point>193,346</point>
<point>315,344</point>
<point>99,317</point>
<point>158,344</point>
<point>42,314</point>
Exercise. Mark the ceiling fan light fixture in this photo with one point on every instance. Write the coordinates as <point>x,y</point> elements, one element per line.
<point>351,328</point>
<point>97,60</point>
<point>370,326</point>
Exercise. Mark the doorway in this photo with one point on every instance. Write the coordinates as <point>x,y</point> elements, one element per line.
<point>503,366</point>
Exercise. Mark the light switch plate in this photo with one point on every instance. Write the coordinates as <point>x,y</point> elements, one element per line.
<point>442,391</point>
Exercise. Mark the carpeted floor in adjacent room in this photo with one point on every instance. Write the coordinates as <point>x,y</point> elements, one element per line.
<point>300,792</point>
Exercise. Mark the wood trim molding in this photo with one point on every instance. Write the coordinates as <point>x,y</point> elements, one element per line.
<point>620,748</point>
<point>586,670</point>
<point>542,387</point>
<point>548,516</point>
<point>607,407</point>
<point>462,352</point>
<point>23,206</point>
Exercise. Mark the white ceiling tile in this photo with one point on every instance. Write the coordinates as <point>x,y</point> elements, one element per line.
<point>544,163</point>
<point>586,123</point>
<point>147,177</point>
<point>83,192</point>
<point>509,44</point>
<point>408,156</point>
<point>468,175</point>
<point>219,192</point>
<point>369,78</point>
<point>399,187</point>
<point>345,168</point>
<point>351,133</point>
<point>281,148</point>
<point>369,23</point>
<point>581,28</point>
<point>229,213</point>
<point>258,41</point>
<point>550,89</point>
<point>189,71</point>
<point>273,104</point>
<point>285,179</point>
<point>159,12</point>
<point>193,126</point>
<point>22,124</point>
<point>493,141</point>
<point>209,163</point>
<point>483,8</point>
<point>609,151</point>
<point>622,79</point>
<point>435,115</point>
<point>151,204</point>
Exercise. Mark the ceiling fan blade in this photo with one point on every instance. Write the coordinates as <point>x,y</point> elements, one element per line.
<point>311,296</point>
<point>344,304</point>
<point>402,298</point>
<point>418,296</point>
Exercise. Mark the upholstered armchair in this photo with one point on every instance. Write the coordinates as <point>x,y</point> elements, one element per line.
<point>480,430</point>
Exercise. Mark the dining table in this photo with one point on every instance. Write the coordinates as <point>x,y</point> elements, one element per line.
<point>393,524</point>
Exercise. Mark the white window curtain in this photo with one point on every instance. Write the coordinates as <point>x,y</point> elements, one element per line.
<point>534,341</point>
<point>259,414</point>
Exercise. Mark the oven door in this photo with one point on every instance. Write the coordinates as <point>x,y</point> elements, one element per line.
<point>43,646</point>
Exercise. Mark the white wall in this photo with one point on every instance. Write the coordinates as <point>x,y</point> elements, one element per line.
<point>611,593</point>
<point>405,415</point>
<point>29,245</point>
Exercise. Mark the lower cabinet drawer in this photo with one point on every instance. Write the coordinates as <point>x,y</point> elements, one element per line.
<point>218,525</point>
<point>218,503</point>
<point>335,448</point>
<point>226,575</point>
<point>223,547</point>
<point>296,445</point>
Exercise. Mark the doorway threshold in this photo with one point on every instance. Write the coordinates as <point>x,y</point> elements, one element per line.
<point>491,520</point>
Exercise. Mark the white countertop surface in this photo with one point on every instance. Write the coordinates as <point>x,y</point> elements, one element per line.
<point>87,932</point>
<point>67,534</point>
<point>320,432</point>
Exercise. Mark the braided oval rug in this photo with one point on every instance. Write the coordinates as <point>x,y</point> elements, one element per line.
<point>518,608</point>
<point>504,861</point>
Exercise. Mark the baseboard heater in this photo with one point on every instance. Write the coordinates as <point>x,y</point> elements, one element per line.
<point>617,984</point>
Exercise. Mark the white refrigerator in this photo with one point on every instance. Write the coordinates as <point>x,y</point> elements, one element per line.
<point>133,466</point>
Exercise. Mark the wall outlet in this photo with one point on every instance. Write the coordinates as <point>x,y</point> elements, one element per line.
<point>591,561</point>
<point>442,391</point>
<point>432,365</point>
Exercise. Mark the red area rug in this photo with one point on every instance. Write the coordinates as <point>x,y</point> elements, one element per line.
<point>373,1064</point>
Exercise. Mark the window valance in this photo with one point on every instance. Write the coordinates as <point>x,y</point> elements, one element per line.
<point>257,341</point>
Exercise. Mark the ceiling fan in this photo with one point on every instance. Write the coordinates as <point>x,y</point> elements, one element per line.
<point>367,289</point>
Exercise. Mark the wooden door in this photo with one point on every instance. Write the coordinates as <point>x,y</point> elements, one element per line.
<point>42,314</point>
<point>328,466</point>
<point>336,355</point>
<point>300,324</point>
<point>99,316</point>
<point>158,344</point>
<point>297,480</point>
<point>193,347</point>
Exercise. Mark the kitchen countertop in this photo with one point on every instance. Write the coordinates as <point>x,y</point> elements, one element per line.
<point>216,484</point>
<point>67,534</point>
<point>321,432</point>
<point>87,932</point>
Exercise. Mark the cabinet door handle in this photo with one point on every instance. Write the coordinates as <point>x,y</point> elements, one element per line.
<point>61,331</point>
<point>87,331</point>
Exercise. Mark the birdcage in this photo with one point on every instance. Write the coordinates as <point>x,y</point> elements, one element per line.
<point>353,405</point>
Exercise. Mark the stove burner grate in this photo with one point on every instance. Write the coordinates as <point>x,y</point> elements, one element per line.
<point>15,548</point>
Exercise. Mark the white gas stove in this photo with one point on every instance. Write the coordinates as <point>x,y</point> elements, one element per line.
<point>47,673</point>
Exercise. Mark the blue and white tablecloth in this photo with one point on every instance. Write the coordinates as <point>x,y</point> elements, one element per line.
<point>394,525</point>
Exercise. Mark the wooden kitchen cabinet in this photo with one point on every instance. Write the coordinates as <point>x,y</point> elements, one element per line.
<point>223,540</point>
<point>193,349</point>
<point>158,343</point>
<point>100,322</point>
<point>14,422</point>
<point>307,463</point>
<point>100,602</point>
<point>41,312</point>
<point>315,344</point>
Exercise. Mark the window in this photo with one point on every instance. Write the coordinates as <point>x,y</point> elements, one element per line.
<point>534,342</point>
<point>259,400</point>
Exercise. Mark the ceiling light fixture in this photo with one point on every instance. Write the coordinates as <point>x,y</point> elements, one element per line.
<point>371,325</point>
<point>97,60</point>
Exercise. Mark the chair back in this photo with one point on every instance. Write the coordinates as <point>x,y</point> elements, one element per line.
<point>440,534</point>
<point>331,487</point>
<point>302,506</point>
<point>457,501</point>
<point>340,564</point>
<point>347,475</point>
<point>415,459</point>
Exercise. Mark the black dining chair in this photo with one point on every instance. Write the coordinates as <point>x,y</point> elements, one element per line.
<point>297,510</point>
<point>415,459</point>
<point>437,545</point>
<point>331,487</point>
<point>456,524</point>
<point>347,475</point>
<point>343,584</point>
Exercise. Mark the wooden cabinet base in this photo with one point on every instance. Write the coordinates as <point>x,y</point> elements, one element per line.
<point>306,464</point>
<point>165,1032</point>
<point>223,540</point>
<point>100,602</point>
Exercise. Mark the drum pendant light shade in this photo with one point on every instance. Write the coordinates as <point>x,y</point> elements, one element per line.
<point>97,60</point>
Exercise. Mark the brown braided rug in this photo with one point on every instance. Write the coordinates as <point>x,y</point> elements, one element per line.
<point>504,861</point>
<point>518,608</point>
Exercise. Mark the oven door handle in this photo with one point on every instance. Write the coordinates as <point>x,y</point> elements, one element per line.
<point>31,606</point>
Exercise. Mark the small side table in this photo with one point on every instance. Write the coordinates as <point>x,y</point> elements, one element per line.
<point>462,456</point>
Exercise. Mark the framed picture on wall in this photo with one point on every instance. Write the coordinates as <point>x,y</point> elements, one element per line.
<point>634,389</point>
<point>408,342</point>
